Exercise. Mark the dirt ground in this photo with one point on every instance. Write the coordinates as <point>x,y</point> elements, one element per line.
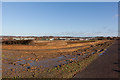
<point>26,60</point>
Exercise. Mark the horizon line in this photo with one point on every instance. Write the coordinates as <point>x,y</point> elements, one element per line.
<point>57,36</point>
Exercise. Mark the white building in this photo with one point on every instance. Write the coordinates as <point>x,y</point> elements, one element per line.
<point>63,38</point>
<point>23,38</point>
<point>52,39</point>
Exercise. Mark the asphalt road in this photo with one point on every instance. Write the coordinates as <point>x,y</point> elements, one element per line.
<point>105,66</point>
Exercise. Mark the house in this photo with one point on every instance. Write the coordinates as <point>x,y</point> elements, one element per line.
<point>51,39</point>
<point>81,39</point>
<point>62,38</point>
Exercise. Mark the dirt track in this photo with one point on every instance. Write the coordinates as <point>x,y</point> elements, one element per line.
<point>105,66</point>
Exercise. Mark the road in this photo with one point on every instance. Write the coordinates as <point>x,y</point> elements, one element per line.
<point>105,66</point>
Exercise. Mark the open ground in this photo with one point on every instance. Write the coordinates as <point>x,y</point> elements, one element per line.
<point>50,59</point>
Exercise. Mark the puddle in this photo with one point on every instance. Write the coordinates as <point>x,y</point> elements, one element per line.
<point>102,52</point>
<point>46,62</point>
<point>93,53</point>
<point>51,62</point>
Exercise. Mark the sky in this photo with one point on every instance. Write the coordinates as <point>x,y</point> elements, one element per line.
<point>60,19</point>
<point>60,0</point>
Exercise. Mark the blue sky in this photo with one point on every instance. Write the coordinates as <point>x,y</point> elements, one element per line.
<point>60,18</point>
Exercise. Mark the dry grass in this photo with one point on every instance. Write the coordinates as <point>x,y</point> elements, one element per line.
<point>46,45</point>
<point>50,51</point>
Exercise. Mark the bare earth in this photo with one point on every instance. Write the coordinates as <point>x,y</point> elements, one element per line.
<point>29,60</point>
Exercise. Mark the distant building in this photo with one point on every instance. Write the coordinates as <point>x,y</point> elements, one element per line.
<point>51,39</point>
<point>62,38</point>
<point>23,38</point>
<point>81,39</point>
<point>73,38</point>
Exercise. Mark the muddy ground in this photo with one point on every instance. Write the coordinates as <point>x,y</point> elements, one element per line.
<point>27,61</point>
